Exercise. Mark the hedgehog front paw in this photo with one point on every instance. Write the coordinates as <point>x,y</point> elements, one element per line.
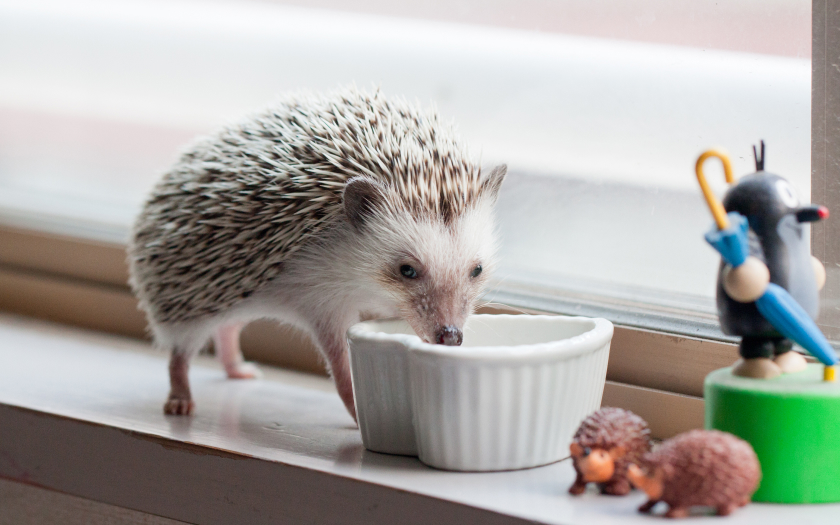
<point>178,406</point>
<point>243,370</point>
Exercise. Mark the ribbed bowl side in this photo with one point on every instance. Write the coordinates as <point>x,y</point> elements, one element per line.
<point>383,399</point>
<point>591,372</point>
<point>476,416</point>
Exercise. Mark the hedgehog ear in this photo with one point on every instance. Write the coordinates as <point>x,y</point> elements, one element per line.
<point>361,197</point>
<point>575,449</point>
<point>492,183</point>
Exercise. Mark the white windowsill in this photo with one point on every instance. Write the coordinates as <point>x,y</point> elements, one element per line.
<point>82,414</point>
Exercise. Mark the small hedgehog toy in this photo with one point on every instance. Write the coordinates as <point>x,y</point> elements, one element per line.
<point>705,468</point>
<point>314,212</point>
<point>605,444</point>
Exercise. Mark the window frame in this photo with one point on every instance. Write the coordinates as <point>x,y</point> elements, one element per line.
<point>825,142</point>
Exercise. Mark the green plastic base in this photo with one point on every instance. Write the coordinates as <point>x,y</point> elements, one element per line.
<point>792,422</point>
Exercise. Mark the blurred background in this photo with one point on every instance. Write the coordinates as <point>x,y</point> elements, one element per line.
<point>599,108</point>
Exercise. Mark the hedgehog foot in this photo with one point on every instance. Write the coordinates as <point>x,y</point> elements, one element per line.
<point>791,362</point>
<point>243,370</point>
<point>226,342</point>
<point>176,406</point>
<point>757,368</point>
<point>726,510</point>
<point>345,392</point>
<point>180,401</point>
<point>677,512</point>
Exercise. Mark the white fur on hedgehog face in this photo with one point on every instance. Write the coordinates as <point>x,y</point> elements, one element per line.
<point>435,272</point>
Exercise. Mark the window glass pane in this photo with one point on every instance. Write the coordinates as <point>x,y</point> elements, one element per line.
<point>598,107</point>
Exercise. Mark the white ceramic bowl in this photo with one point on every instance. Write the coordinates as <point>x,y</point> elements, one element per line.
<point>511,397</point>
<point>379,369</point>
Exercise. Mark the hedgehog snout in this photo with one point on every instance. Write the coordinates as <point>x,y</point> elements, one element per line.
<point>449,336</point>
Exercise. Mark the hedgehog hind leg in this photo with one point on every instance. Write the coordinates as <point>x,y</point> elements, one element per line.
<point>183,341</point>
<point>226,343</point>
<point>179,402</point>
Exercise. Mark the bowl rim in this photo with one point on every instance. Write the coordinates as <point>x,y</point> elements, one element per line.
<point>593,339</point>
<point>365,331</point>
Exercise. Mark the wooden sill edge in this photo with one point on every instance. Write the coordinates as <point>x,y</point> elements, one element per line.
<point>181,480</point>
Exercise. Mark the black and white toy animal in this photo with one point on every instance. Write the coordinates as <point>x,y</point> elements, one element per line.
<point>319,209</point>
<point>778,238</point>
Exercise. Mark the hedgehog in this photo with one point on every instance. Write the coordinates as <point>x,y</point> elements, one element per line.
<point>315,212</point>
<point>706,468</point>
<point>604,445</point>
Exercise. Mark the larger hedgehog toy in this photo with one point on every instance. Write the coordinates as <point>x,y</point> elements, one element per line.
<point>314,212</point>
<point>698,468</point>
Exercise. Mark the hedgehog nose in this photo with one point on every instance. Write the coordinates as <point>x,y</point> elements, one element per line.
<point>450,336</point>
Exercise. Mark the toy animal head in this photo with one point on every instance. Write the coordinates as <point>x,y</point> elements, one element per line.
<point>433,263</point>
<point>596,465</point>
<point>766,199</point>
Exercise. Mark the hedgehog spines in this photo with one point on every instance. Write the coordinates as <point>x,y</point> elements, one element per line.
<point>238,204</point>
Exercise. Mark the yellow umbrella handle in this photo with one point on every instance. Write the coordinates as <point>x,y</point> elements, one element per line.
<point>714,205</point>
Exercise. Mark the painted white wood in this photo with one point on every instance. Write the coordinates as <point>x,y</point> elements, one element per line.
<point>81,413</point>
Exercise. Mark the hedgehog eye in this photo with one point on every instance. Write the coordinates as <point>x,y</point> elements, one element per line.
<point>408,271</point>
<point>587,451</point>
<point>476,271</point>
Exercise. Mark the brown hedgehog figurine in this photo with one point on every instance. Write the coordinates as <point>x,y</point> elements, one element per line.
<point>698,468</point>
<point>605,444</point>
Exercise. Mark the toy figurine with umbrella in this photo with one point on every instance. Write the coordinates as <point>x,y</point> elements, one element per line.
<point>768,294</point>
<point>768,283</point>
